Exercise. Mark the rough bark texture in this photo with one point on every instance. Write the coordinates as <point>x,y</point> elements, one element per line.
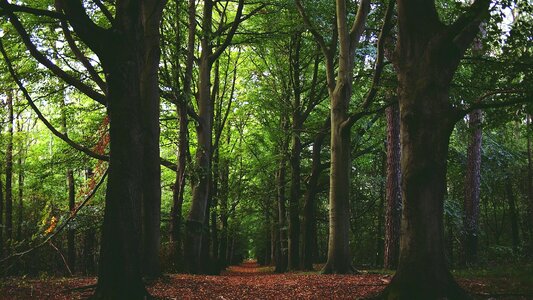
<point>428,53</point>
<point>472,189</point>
<point>9,172</point>
<point>129,55</point>
<point>393,209</point>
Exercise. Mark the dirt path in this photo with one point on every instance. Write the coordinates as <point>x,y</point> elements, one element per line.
<point>247,281</point>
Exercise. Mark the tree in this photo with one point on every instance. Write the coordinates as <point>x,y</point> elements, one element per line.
<point>340,92</point>
<point>428,53</point>
<point>393,190</point>
<point>129,53</point>
<point>9,171</point>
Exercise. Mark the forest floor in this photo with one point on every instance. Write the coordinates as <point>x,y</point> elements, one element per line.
<point>250,281</point>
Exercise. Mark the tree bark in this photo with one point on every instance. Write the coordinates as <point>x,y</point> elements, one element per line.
<point>151,15</point>
<point>183,139</point>
<point>9,172</point>
<point>472,189</point>
<point>196,218</point>
<point>393,192</point>
<point>428,53</point>
<point>71,233</point>
<point>309,228</point>
<point>282,262</point>
<point>529,178</point>
<point>296,149</point>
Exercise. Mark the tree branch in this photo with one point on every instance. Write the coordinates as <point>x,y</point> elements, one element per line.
<point>60,135</point>
<point>478,104</point>
<point>82,87</point>
<point>238,20</point>
<point>7,7</point>
<point>318,37</point>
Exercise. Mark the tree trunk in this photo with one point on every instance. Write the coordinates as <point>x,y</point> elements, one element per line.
<point>513,213</point>
<point>9,172</point>
<point>224,190</point>
<point>179,187</point>
<point>20,163</point>
<point>71,234</point>
<point>183,146</point>
<point>196,218</point>
<point>296,149</point>
<point>339,257</point>
<point>1,212</point>
<point>529,179</point>
<point>282,262</point>
<point>472,189</point>
<point>393,192</point>
<point>427,55</point>
<point>151,14</point>
<point>309,228</point>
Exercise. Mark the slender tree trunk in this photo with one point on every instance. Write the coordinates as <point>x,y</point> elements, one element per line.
<point>71,233</point>
<point>179,187</point>
<point>529,178</point>
<point>9,172</point>
<point>309,228</point>
<point>513,214</point>
<point>183,146</point>
<point>296,149</point>
<point>472,189</point>
<point>1,211</point>
<point>282,211</point>
<point>20,163</point>
<point>224,188</point>
<point>393,192</point>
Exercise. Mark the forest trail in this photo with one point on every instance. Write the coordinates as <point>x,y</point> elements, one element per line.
<point>248,280</point>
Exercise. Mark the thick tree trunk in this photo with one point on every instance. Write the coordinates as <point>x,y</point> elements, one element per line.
<point>393,192</point>
<point>151,14</point>
<point>427,55</point>
<point>422,271</point>
<point>120,269</point>
<point>309,228</point>
<point>339,257</point>
<point>196,218</point>
<point>472,189</point>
